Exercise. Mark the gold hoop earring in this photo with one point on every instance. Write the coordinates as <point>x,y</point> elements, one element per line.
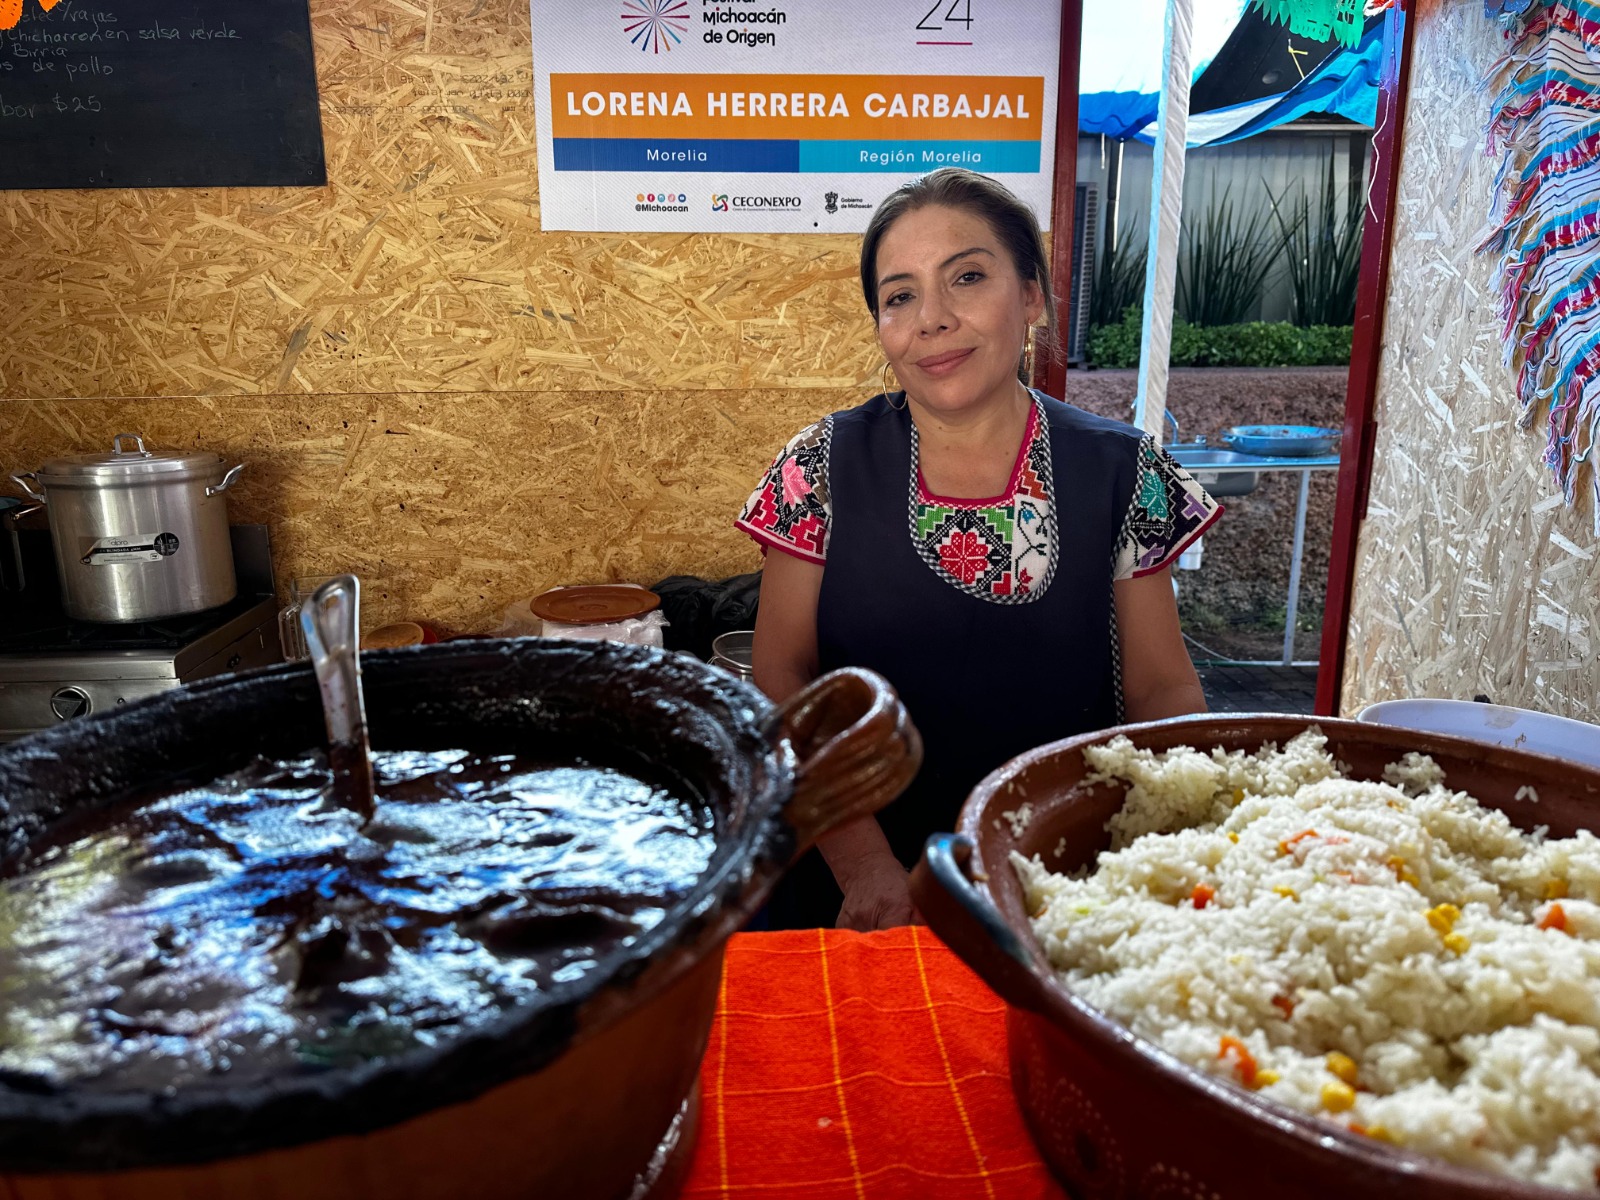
<point>1027,358</point>
<point>890,388</point>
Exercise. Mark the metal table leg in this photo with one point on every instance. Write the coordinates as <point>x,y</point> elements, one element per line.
<point>1294,567</point>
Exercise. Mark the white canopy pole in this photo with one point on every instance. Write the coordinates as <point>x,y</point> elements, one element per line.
<point>1166,216</point>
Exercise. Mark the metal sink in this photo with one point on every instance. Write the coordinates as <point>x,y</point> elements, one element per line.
<point>1235,479</point>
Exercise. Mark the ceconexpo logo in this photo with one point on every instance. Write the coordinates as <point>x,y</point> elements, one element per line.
<point>11,11</point>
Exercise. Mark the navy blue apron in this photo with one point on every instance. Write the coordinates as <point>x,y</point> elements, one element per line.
<point>983,681</point>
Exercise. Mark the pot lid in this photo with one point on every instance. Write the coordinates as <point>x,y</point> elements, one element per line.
<point>596,604</point>
<point>128,459</point>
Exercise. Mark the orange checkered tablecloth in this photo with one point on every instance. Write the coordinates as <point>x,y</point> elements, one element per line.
<point>862,1067</point>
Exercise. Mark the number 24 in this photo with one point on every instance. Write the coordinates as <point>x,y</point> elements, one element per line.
<point>949,16</point>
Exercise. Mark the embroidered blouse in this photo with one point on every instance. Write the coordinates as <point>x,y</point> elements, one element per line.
<point>1001,549</point>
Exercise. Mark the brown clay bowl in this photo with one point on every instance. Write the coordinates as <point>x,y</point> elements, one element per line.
<point>587,1091</point>
<point>1116,1117</point>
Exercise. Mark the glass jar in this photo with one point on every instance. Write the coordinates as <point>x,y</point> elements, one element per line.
<point>289,631</point>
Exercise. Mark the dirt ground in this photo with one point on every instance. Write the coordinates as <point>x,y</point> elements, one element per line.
<point>1234,603</point>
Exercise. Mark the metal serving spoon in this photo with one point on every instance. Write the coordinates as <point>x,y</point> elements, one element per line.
<point>331,621</point>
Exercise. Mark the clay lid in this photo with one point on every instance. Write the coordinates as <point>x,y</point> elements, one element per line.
<point>390,637</point>
<point>596,604</point>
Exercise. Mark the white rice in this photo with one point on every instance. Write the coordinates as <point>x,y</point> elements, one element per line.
<point>1397,924</point>
<point>1018,819</point>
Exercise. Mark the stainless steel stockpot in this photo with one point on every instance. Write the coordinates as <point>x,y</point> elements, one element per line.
<point>139,534</point>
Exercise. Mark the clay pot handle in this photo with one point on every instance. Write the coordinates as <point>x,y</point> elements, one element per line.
<point>857,749</point>
<point>964,917</point>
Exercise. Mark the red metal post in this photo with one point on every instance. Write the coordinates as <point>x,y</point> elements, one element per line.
<point>1360,430</point>
<point>1065,188</point>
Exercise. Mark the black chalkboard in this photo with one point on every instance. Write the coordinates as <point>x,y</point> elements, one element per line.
<point>159,93</point>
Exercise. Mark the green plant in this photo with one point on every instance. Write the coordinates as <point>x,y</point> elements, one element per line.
<point>1320,239</point>
<point>1224,258</point>
<point>1118,279</point>
<point>1200,617</point>
<point>1307,617</point>
<point>1116,344</point>
<point>1254,344</point>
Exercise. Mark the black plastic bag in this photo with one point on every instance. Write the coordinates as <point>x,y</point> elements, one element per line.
<point>697,610</point>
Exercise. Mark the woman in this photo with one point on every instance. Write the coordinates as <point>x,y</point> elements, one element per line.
<point>1001,557</point>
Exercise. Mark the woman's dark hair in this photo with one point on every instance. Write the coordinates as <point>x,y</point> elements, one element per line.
<point>967,191</point>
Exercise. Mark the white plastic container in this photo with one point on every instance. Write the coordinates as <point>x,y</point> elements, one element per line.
<point>540,615</point>
<point>1494,724</point>
<point>640,631</point>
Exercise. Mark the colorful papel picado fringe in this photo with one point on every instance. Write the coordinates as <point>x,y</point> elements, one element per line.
<point>1545,222</point>
<point>1318,20</point>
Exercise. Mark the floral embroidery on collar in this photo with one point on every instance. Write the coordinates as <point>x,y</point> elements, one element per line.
<point>1004,549</point>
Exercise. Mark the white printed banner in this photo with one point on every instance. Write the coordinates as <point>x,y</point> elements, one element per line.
<point>784,117</point>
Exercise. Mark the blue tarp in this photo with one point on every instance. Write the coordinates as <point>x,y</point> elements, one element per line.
<point>1346,83</point>
<point>1116,114</point>
<point>1120,72</point>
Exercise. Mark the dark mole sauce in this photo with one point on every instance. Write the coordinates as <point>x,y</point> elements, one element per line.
<point>250,928</point>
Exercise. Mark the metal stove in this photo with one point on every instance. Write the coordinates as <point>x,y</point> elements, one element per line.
<point>53,668</point>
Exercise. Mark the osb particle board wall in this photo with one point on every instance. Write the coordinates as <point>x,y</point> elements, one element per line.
<point>428,390</point>
<point>1473,579</point>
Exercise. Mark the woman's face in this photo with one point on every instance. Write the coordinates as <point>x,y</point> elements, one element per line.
<point>953,313</point>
